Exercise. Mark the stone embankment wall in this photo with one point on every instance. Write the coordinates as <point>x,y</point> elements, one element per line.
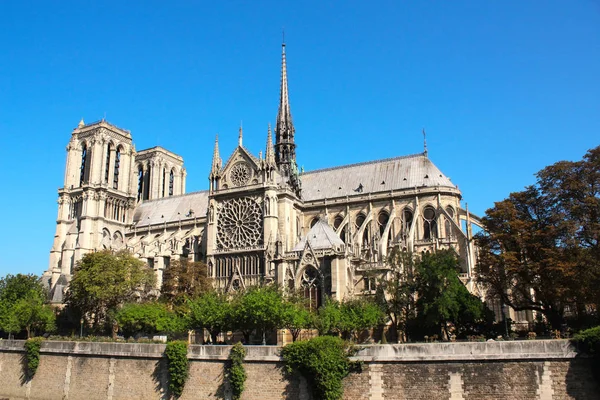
<point>541,369</point>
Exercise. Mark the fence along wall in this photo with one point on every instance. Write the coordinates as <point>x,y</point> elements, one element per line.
<point>541,369</point>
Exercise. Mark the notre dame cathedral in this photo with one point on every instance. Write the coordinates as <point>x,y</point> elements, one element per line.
<point>327,232</point>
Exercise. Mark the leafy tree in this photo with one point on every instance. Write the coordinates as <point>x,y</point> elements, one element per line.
<point>22,305</point>
<point>183,280</point>
<point>329,318</point>
<point>259,309</point>
<point>359,315</point>
<point>540,249</point>
<point>442,299</point>
<point>296,315</point>
<point>323,361</point>
<point>210,310</point>
<point>348,318</point>
<point>103,281</point>
<point>396,292</point>
<point>148,318</point>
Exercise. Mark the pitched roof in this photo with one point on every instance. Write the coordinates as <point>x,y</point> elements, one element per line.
<point>397,173</point>
<point>169,209</point>
<point>320,236</point>
<point>348,180</point>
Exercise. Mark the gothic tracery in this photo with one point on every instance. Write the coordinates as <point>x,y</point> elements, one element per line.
<point>239,223</point>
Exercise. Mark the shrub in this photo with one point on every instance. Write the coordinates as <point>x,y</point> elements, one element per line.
<point>588,341</point>
<point>323,361</point>
<point>176,353</point>
<point>32,355</point>
<point>237,373</point>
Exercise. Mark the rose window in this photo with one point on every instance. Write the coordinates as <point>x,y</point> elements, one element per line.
<point>239,224</point>
<point>240,174</point>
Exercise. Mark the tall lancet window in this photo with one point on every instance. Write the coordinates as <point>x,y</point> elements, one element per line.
<point>117,165</point>
<point>140,182</point>
<point>171,183</point>
<point>164,182</point>
<point>429,223</point>
<point>84,159</point>
<point>107,167</point>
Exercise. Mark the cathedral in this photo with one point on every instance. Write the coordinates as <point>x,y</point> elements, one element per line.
<point>326,232</point>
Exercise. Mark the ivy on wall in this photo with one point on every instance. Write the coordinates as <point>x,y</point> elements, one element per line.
<point>178,366</point>
<point>237,373</point>
<point>32,356</point>
<point>324,362</point>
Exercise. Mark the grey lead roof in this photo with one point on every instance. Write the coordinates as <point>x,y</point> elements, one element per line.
<point>171,209</point>
<point>320,236</point>
<point>375,176</point>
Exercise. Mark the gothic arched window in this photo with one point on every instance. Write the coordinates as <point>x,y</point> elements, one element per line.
<point>360,220</point>
<point>117,166</point>
<point>382,220</point>
<point>84,165</point>
<point>337,222</point>
<point>164,182</point>
<point>171,183</point>
<point>311,287</point>
<point>429,223</point>
<point>314,221</point>
<point>140,182</point>
<point>107,166</point>
<point>407,220</point>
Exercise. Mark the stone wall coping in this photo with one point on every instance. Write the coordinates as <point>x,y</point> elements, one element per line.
<point>413,352</point>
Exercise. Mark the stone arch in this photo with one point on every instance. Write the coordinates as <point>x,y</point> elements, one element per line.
<point>406,221</point>
<point>106,239</point>
<point>429,216</point>
<point>310,282</point>
<point>313,221</point>
<point>117,166</point>
<point>117,240</point>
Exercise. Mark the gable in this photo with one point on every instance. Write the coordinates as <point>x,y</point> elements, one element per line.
<point>241,169</point>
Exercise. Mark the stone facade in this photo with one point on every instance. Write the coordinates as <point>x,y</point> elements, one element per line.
<point>540,370</point>
<point>327,232</point>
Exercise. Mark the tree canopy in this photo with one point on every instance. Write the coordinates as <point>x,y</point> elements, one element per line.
<point>183,280</point>
<point>103,281</point>
<point>22,305</point>
<point>540,247</point>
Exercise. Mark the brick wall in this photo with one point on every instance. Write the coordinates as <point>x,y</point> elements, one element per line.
<point>541,370</point>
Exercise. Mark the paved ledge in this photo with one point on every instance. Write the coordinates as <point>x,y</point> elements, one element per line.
<point>422,352</point>
<point>469,351</point>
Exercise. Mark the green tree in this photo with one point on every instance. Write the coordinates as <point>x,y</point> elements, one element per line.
<point>395,293</point>
<point>442,299</point>
<point>329,318</point>
<point>295,315</point>
<point>259,309</point>
<point>539,249</point>
<point>149,318</point>
<point>358,315</point>
<point>103,281</point>
<point>212,311</point>
<point>184,280</point>
<point>323,361</point>
<point>22,305</point>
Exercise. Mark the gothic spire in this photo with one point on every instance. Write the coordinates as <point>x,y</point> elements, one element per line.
<point>285,148</point>
<point>424,143</point>
<point>240,136</point>
<point>269,156</point>
<point>216,162</point>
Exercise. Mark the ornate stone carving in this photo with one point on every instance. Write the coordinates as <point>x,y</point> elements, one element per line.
<point>240,174</point>
<point>239,223</point>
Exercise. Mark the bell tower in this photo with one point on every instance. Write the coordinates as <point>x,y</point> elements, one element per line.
<point>96,202</point>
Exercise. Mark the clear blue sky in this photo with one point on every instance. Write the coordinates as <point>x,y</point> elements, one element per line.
<point>503,88</point>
